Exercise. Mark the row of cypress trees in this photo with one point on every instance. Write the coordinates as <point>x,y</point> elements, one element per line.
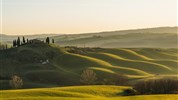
<point>48,40</point>
<point>18,42</point>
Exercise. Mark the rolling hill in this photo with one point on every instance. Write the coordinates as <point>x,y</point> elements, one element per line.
<point>79,93</point>
<point>144,38</point>
<point>43,65</point>
<point>135,38</point>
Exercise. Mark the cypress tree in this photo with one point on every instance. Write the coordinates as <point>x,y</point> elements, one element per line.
<point>24,40</point>
<point>52,40</point>
<point>15,43</point>
<point>47,40</point>
<point>27,40</point>
<point>18,41</point>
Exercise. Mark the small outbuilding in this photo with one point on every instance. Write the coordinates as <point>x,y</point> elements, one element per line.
<point>35,41</point>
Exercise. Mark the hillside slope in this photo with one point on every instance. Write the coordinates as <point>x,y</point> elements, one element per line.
<point>43,65</point>
<point>79,93</point>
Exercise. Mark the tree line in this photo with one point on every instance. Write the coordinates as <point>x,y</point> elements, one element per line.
<point>18,41</point>
<point>3,46</point>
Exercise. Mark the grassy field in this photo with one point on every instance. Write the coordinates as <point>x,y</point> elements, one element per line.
<point>79,93</point>
<point>66,64</point>
<point>55,71</point>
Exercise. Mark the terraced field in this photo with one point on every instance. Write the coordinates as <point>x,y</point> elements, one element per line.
<point>67,63</point>
<point>79,93</point>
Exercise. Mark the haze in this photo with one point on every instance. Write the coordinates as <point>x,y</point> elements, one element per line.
<point>84,16</point>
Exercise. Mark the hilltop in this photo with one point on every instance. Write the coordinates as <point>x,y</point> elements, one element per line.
<point>43,65</point>
<point>9,38</point>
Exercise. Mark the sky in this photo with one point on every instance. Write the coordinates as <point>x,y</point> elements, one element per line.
<point>84,16</point>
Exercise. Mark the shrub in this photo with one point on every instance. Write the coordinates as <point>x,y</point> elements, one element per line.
<point>116,79</point>
<point>88,77</point>
<point>129,92</point>
<point>159,86</point>
<point>16,82</point>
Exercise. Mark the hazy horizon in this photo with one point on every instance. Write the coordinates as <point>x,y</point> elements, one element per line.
<point>28,17</point>
<point>93,32</point>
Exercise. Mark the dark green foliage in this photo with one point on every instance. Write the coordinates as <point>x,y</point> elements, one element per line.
<point>50,54</point>
<point>157,86</point>
<point>47,40</point>
<point>31,57</point>
<point>52,40</point>
<point>24,40</point>
<point>129,92</point>
<point>15,43</point>
<point>18,41</point>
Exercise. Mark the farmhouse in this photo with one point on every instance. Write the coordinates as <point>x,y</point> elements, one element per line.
<point>35,41</point>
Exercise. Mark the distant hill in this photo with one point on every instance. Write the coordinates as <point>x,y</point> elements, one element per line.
<point>43,65</point>
<point>162,37</point>
<point>10,38</point>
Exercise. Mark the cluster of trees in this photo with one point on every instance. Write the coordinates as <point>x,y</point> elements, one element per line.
<point>3,46</point>
<point>18,42</point>
<point>157,86</point>
<point>48,40</point>
<point>89,77</point>
<point>154,86</point>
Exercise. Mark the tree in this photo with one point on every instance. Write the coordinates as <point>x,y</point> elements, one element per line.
<point>27,41</point>
<point>52,40</point>
<point>15,43</point>
<point>47,40</point>
<point>24,40</point>
<point>16,82</point>
<point>18,41</point>
<point>88,77</point>
<point>157,86</point>
<point>116,79</point>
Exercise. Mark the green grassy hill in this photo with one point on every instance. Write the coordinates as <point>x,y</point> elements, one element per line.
<point>65,64</point>
<point>79,93</point>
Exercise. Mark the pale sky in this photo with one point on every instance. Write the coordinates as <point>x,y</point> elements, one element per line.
<point>83,16</point>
